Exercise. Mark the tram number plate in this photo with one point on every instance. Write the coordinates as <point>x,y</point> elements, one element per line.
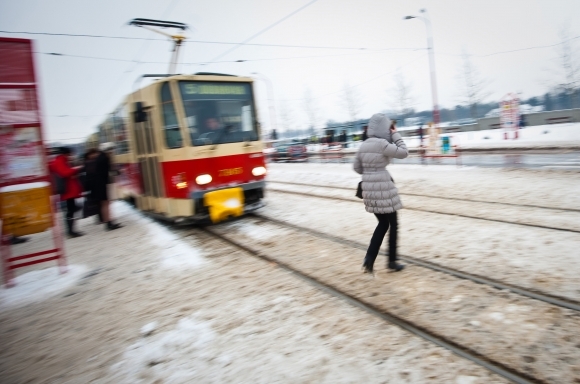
<point>231,171</point>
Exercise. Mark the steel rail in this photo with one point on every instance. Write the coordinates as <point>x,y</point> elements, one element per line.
<point>526,292</point>
<point>431,211</point>
<point>441,341</point>
<point>435,197</point>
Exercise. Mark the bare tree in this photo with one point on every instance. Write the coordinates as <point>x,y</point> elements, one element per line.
<point>351,101</point>
<point>569,67</point>
<point>311,109</point>
<point>472,85</point>
<point>402,99</point>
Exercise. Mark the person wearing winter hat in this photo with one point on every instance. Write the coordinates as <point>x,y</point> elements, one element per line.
<point>99,188</point>
<point>379,193</point>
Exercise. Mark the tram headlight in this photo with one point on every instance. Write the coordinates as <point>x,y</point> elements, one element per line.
<point>203,179</point>
<point>259,171</point>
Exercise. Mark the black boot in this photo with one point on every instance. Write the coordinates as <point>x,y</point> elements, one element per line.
<point>110,226</point>
<point>393,266</point>
<point>367,268</point>
<point>70,231</point>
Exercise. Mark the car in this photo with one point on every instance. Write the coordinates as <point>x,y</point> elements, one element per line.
<point>289,150</point>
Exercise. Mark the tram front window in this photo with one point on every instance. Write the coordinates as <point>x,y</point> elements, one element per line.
<point>219,112</point>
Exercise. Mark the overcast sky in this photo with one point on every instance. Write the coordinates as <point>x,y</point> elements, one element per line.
<point>361,43</point>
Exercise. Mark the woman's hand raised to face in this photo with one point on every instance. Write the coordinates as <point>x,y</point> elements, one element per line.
<point>393,128</point>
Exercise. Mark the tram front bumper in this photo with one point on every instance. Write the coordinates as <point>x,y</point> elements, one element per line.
<point>228,201</point>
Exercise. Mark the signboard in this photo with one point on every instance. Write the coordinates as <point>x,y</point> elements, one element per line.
<point>510,115</point>
<point>25,198</point>
<point>433,132</point>
<point>21,150</point>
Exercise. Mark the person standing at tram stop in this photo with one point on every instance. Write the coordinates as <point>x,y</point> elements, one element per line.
<point>100,184</point>
<point>380,195</point>
<point>71,190</point>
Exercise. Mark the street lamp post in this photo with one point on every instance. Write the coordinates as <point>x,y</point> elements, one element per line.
<point>427,22</point>
<point>270,99</point>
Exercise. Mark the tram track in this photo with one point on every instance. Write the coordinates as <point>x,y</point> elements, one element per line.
<point>435,197</point>
<point>352,200</point>
<point>556,300</point>
<point>491,364</point>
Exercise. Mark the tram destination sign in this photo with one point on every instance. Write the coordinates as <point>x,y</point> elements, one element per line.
<point>214,89</point>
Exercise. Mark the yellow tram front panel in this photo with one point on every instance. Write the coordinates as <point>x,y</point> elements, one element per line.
<point>224,203</point>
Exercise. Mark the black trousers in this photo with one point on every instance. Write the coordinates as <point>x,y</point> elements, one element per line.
<point>71,208</point>
<point>385,220</point>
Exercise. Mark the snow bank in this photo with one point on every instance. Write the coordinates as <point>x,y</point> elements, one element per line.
<point>564,135</point>
<point>174,252</point>
<point>39,285</point>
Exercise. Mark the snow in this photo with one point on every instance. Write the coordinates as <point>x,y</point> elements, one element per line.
<point>512,253</point>
<point>243,320</point>
<point>23,187</point>
<point>175,253</point>
<point>131,320</point>
<point>172,354</point>
<point>148,328</point>
<point>39,285</point>
<point>567,134</point>
<point>255,231</point>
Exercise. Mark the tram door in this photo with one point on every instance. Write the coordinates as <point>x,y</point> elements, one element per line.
<point>148,161</point>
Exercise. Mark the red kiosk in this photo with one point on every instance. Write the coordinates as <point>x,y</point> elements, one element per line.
<point>26,202</point>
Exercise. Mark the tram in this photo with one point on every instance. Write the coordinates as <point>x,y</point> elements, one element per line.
<point>188,148</point>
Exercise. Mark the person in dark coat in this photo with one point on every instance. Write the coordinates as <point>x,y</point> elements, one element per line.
<point>92,207</point>
<point>72,188</point>
<point>100,183</point>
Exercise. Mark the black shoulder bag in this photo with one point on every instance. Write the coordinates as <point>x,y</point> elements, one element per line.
<point>359,190</point>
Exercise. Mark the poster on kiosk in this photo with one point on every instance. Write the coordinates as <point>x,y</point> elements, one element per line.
<point>26,204</point>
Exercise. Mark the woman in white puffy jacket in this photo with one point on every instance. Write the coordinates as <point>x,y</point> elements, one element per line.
<point>379,192</point>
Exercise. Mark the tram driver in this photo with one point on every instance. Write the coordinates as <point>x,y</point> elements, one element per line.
<point>212,124</point>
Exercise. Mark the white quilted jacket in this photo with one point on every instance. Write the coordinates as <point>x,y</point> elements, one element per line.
<point>379,192</point>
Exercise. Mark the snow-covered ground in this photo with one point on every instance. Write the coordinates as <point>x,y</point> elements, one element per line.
<point>539,136</point>
<point>148,303</point>
<point>152,304</point>
<point>543,259</point>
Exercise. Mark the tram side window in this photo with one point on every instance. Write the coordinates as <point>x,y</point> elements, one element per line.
<point>120,130</point>
<point>171,129</point>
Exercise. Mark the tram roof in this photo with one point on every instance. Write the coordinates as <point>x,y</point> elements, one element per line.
<point>207,76</point>
<point>199,76</point>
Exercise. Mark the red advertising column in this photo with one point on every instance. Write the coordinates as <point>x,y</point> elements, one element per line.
<point>26,204</point>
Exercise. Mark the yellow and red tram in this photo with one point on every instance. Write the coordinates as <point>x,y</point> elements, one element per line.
<point>188,147</point>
